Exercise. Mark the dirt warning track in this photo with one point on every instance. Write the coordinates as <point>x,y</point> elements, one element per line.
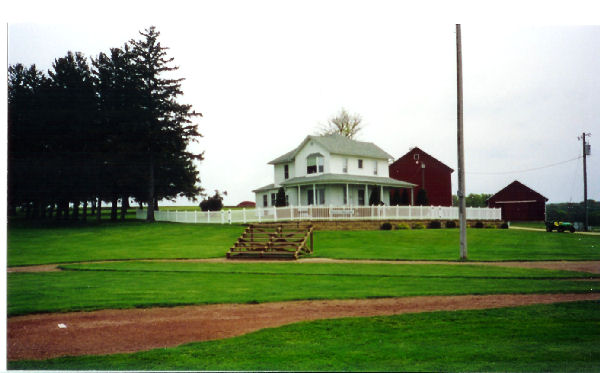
<point>45,336</point>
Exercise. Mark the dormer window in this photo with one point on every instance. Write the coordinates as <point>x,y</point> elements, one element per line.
<point>375,168</point>
<point>345,168</point>
<point>315,163</point>
<point>360,163</point>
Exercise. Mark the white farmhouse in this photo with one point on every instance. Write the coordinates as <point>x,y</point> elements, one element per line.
<point>331,170</point>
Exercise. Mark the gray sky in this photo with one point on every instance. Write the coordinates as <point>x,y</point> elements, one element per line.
<point>265,74</point>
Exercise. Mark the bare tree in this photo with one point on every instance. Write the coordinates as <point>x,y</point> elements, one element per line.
<point>343,124</point>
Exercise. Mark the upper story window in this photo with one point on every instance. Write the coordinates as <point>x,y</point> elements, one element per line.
<point>360,163</point>
<point>345,168</point>
<point>314,163</point>
<point>286,171</point>
<point>265,200</point>
<point>375,168</point>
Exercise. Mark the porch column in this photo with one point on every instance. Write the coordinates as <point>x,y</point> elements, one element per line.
<point>314,194</point>
<point>412,199</point>
<point>381,193</point>
<point>299,203</point>
<point>347,196</point>
<point>366,195</point>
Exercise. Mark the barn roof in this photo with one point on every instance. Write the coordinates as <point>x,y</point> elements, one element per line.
<point>416,149</point>
<point>337,144</point>
<point>516,187</point>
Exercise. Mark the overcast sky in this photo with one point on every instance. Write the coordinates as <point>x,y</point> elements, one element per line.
<point>265,74</point>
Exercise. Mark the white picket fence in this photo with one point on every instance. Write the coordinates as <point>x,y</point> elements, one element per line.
<point>292,213</point>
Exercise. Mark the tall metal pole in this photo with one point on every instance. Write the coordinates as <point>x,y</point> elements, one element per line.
<point>585,224</point>
<point>462,208</point>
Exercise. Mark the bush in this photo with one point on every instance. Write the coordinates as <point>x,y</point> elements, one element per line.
<point>490,226</point>
<point>402,226</point>
<point>450,224</point>
<point>434,224</point>
<point>386,226</point>
<point>478,225</point>
<point>214,203</point>
<point>418,226</point>
<point>504,225</point>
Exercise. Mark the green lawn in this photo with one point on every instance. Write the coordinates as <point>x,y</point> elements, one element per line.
<point>61,243</point>
<point>30,244</point>
<point>129,285</point>
<point>541,338</point>
<point>443,244</point>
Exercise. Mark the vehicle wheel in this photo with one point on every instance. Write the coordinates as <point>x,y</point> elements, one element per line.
<point>561,229</point>
<point>572,229</point>
<point>548,228</point>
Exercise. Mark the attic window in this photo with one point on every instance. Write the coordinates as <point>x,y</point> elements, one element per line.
<point>314,163</point>
<point>360,163</point>
<point>416,156</point>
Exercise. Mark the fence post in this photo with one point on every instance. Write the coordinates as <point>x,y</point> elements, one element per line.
<point>275,213</point>
<point>244,215</point>
<point>292,213</point>
<point>208,216</point>
<point>196,216</point>
<point>259,213</point>
<point>421,212</point>
<point>222,217</point>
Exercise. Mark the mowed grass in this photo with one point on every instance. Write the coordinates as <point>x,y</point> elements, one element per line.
<point>30,244</point>
<point>443,244</point>
<point>132,285</point>
<point>542,338</point>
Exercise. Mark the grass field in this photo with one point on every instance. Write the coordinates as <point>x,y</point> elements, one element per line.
<point>29,245</point>
<point>545,338</point>
<point>129,285</point>
<point>560,337</point>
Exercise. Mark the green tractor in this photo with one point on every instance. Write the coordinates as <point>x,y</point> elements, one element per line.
<point>560,226</point>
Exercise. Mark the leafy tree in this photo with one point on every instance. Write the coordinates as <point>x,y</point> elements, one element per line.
<point>214,203</point>
<point>343,124</point>
<point>166,124</point>
<point>280,198</point>
<point>422,199</point>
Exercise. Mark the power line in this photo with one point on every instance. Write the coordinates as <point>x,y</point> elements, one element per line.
<point>526,170</point>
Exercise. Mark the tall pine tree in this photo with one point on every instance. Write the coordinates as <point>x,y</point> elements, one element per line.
<point>167,124</point>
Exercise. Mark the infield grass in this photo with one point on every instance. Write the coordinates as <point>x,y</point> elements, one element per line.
<point>134,285</point>
<point>542,338</point>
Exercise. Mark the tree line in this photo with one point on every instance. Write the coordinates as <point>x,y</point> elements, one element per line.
<point>104,130</point>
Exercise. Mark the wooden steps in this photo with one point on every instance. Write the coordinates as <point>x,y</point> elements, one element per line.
<point>273,241</point>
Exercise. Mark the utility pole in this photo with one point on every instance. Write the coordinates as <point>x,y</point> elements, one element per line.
<point>585,153</point>
<point>462,208</point>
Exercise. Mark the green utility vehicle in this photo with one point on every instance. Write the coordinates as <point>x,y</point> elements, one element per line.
<point>560,226</point>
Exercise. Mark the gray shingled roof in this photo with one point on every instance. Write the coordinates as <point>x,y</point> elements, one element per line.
<point>347,179</point>
<point>337,144</point>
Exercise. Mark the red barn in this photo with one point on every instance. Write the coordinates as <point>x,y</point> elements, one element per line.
<point>420,168</point>
<point>518,202</point>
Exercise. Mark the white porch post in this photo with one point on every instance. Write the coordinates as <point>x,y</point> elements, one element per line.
<point>412,197</point>
<point>366,201</point>
<point>347,195</point>
<point>381,193</point>
<point>299,203</point>
<point>314,194</point>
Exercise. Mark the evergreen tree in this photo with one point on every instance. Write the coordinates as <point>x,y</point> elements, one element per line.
<point>166,124</point>
<point>422,199</point>
<point>280,198</point>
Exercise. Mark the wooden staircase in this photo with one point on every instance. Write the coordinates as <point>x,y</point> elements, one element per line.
<point>273,241</point>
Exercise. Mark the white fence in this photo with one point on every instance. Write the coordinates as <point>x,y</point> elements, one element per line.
<point>292,213</point>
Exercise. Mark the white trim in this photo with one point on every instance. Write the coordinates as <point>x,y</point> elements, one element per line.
<point>527,201</point>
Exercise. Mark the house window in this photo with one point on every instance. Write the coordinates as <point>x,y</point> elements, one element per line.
<point>264,200</point>
<point>375,168</point>
<point>361,197</point>
<point>345,168</point>
<point>345,196</point>
<point>286,171</point>
<point>310,197</point>
<point>273,199</point>
<point>360,162</point>
<point>314,164</point>
<point>321,196</point>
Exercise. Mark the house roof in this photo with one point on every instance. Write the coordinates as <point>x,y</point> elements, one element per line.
<point>418,150</point>
<point>337,144</point>
<point>266,187</point>
<point>346,179</point>
<point>513,188</point>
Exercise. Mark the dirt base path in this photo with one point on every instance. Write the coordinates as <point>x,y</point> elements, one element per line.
<point>119,331</point>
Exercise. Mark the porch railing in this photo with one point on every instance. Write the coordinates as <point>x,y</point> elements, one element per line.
<point>310,213</point>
